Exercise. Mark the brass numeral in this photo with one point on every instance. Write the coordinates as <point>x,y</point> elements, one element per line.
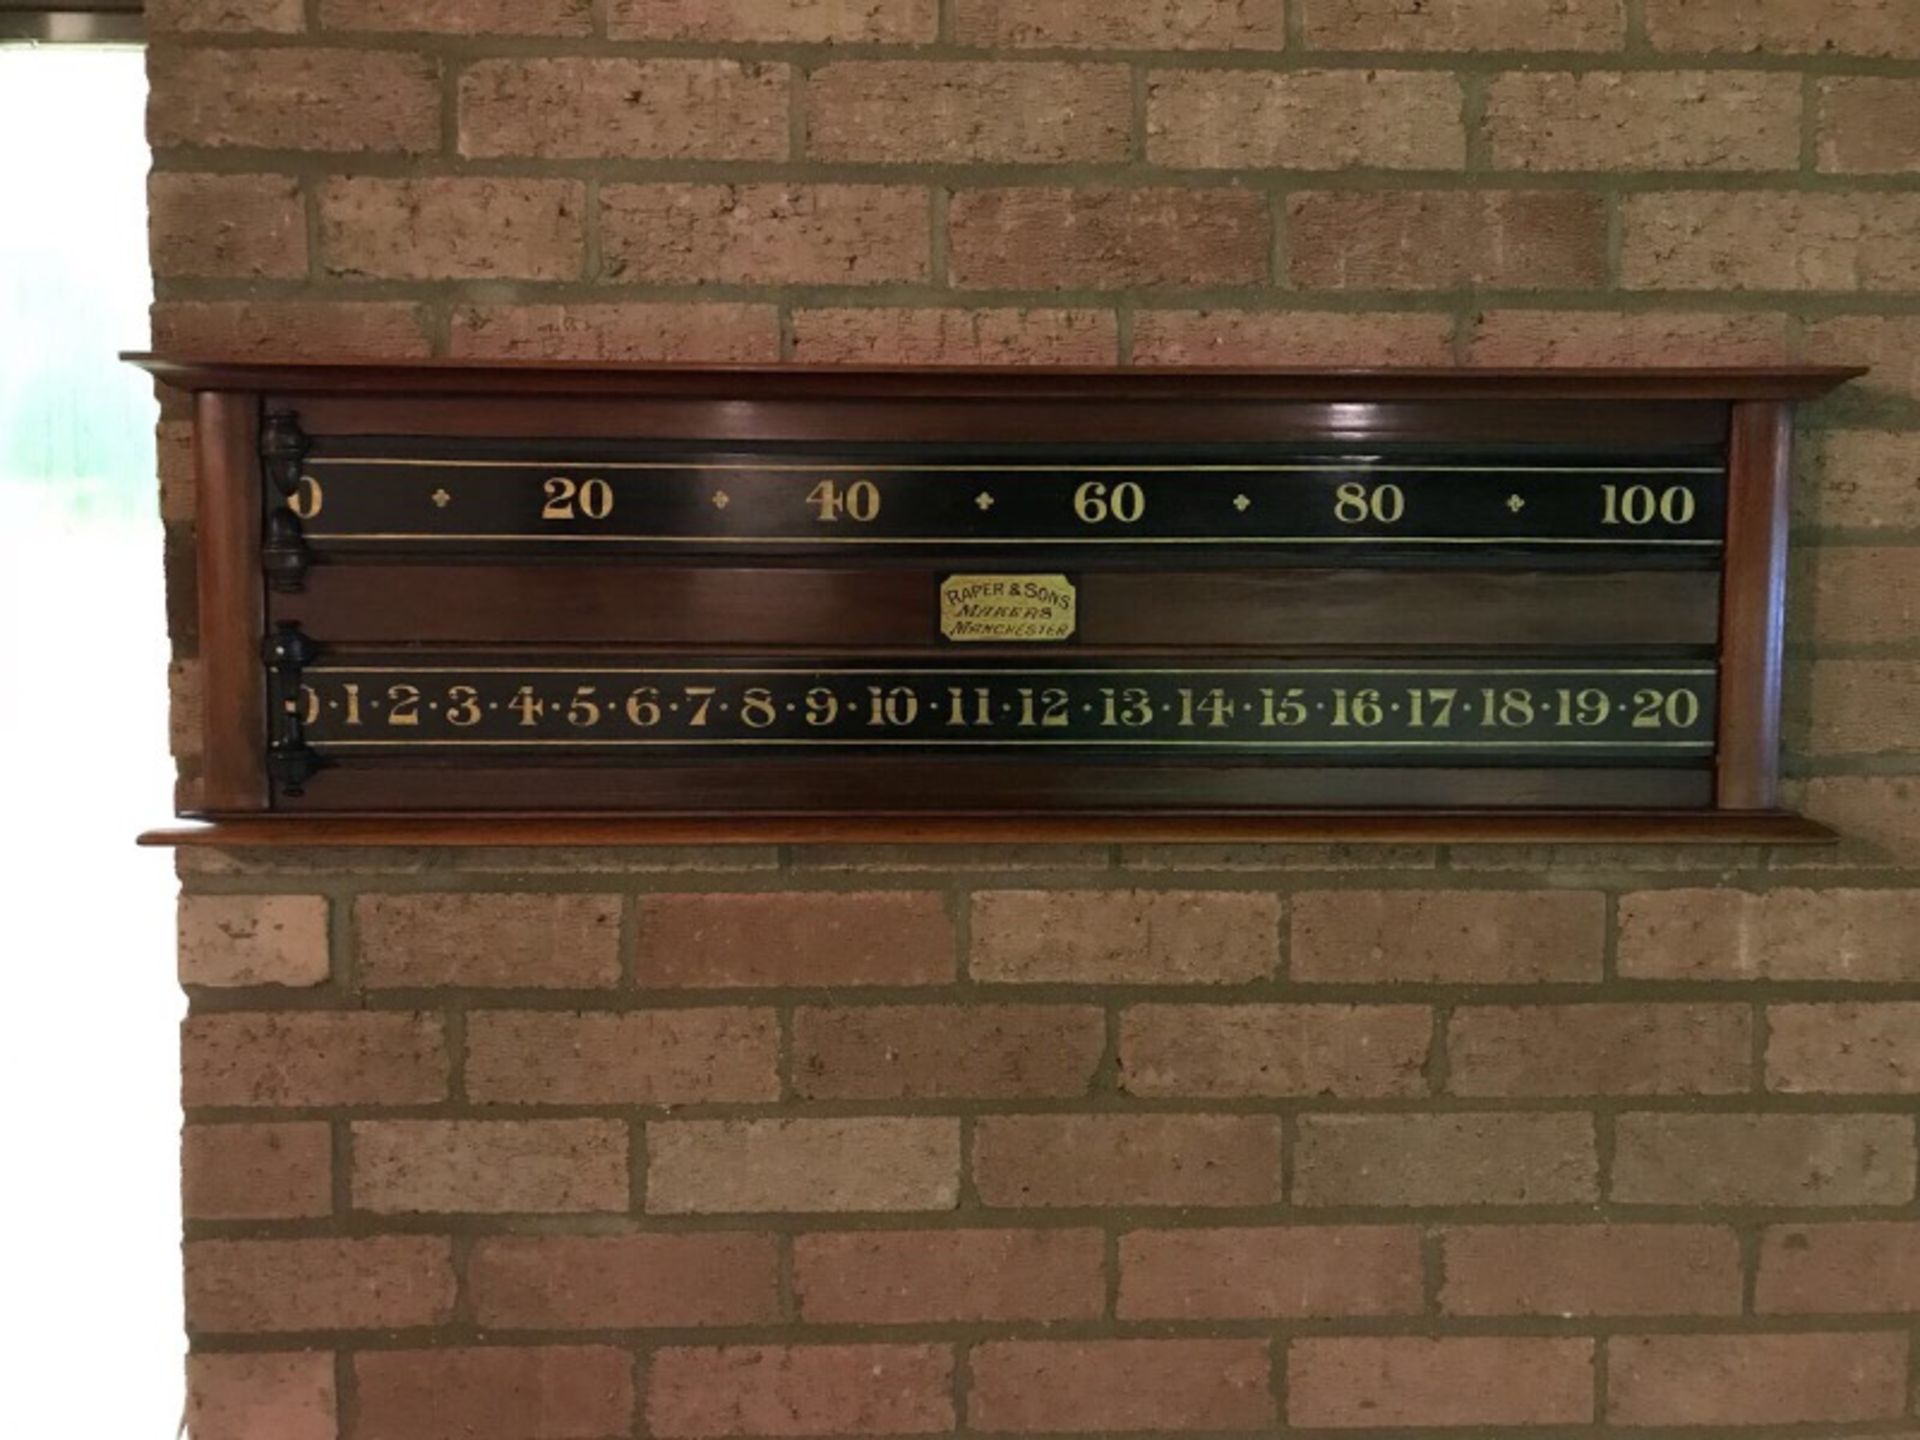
<point>1096,503</point>
<point>1642,505</point>
<point>308,498</point>
<point>858,500</point>
<point>1356,504</point>
<point>566,497</point>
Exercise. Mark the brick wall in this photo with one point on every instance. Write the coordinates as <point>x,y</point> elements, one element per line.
<point>824,1141</point>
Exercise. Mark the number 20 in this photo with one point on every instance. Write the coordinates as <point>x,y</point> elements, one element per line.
<point>594,497</point>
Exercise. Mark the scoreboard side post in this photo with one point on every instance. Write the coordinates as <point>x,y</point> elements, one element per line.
<point>1753,605</point>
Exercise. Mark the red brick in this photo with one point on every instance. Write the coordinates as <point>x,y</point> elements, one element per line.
<point>801,1390</point>
<point>1078,1160</point>
<point>1858,479</point>
<point>1667,1159</point>
<point>173,444</point>
<point>1555,1271</point>
<point>1299,1273</point>
<point>802,1166</point>
<point>291,329</point>
<point>955,337</point>
<point>1441,239</point>
<point>1137,937</point>
<point>288,1396</point>
<point>228,940</point>
<point>765,234</point>
<point>1878,818</point>
<point>1610,337</point>
<point>1305,120</point>
<point>460,17</point>
<point>1600,1050</point>
<point>570,107</point>
<point>1108,239</point>
<point>552,1393</point>
<point>186,720</point>
<point>804,22</point>
<point>646,1057</point>
<point>1889,343</point>
<point>1409,1381</point>
<point>1470,1159</point>
<point>663,333</point>
<point>267,17</point>
<point>934,1277</point>
<point>256,1172</point>
<point>1290,337</point>
<point>345,101</point>
<point>1106,1386</point>
<point>453,228</point>
<point>1463,25</point>
<point>1863,935</point>
<point>972,112</point>
<point>1868,125</point>
<point>946,1051</point>
<point>1865,595</point>
<point>1694,240</point>
<point>314,1058</point>
<point>1755,1379</point>
<point>1864,707</point>
<point>1644,120</point>
<point>384,1282</point>
<point>1448,936</point>
<point>489,1166</point>
<point>1148,25</point>
<point>1851,1266</point>
<point>244,227</point>
<point>1845,1049</point>
<point>1787,27</point>
<point>1352,1051</point>
<point>623,1282</point>
<point>884,937</point>
<point>527,941</point>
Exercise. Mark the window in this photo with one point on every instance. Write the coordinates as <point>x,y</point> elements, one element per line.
<point>88,1050</point>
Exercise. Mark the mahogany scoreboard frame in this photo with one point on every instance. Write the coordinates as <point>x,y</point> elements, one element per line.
<point>472,602</point>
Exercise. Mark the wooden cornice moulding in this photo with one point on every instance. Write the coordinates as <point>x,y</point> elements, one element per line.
<point>450,603</point>
<point>577,378</point>
<point>1379,828</point>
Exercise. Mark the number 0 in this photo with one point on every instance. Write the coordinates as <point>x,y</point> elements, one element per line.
<point>307,498</point>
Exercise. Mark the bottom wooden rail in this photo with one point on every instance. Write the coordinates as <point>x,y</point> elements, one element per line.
<point>1370,827</point>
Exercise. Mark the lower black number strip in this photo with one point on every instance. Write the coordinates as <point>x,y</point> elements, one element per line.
<point>1591,712</point>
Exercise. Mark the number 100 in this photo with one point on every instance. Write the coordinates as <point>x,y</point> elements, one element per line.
<point>1642,504</point>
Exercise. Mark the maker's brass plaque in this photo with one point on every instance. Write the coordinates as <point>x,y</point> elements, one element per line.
<point>1006,607</point>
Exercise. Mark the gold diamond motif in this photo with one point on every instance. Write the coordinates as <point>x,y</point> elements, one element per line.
<point>1242,504</point>
<point>984,501</point>
<point>1516,504</point>
<point>441,498</point>
<point>721,499</point>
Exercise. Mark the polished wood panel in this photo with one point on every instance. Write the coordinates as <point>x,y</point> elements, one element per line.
<point>1014,417</point>
<point>835,611</point>
<point>943,784</point>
